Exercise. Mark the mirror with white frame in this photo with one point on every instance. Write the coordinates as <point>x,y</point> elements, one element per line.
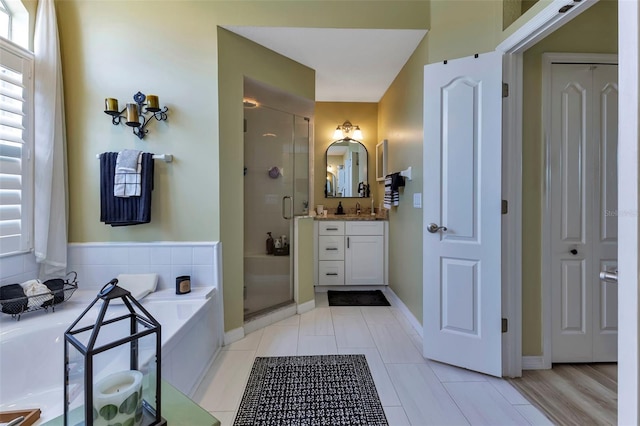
<point>347,170</point>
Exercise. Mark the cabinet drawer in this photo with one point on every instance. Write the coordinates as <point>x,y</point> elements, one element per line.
<point>330,272</point>
<point>365,227</point>
<point>331,228</point>
<point>330,248</point>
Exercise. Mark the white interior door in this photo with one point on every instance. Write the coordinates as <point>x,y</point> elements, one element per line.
<point>584,226</point>
<point>462,185</point>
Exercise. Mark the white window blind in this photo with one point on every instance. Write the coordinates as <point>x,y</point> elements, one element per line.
<point>5,20</point>
<point>16,179</point>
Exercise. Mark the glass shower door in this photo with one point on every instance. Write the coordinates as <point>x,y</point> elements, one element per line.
<point>274,145</point>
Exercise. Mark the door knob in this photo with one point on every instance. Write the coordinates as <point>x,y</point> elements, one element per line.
<point>573,251</point>
<point>609,276</point>
<point>433,228</point>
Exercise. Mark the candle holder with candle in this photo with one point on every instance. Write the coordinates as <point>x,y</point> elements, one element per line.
<point>112,364</point>
<point>135,114</point>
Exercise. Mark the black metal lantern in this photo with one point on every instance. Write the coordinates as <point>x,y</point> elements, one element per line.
<point>112,363</point>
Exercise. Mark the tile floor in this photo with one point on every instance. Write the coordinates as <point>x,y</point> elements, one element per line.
<point>413,390</point>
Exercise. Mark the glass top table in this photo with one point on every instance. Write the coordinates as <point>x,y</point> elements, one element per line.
<point>177,410</point>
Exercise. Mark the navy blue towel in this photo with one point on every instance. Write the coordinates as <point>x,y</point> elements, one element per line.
<point>118,211</point>
<point>12,299</point>
<point>56,285</point>
<point>397,180</point>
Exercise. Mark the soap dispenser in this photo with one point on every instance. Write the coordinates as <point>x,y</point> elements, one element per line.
<point>270,243</point>
<point>340,210</point>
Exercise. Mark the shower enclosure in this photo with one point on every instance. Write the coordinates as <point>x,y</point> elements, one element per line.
<point>276,189</point>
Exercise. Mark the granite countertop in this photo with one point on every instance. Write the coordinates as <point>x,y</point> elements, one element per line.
<point>349,215</point>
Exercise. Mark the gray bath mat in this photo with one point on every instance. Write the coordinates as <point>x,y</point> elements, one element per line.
<point>357,298</point>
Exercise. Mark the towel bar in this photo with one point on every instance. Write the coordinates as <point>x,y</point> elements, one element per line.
<point>167,158</point>
<point>406,173</point>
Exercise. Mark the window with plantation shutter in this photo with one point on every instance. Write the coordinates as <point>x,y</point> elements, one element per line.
<point>16,172</point>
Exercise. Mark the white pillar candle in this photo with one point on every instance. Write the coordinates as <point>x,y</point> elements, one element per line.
<point>117,398</point>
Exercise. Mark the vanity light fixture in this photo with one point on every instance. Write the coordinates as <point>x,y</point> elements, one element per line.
<point>136,113</point>
<point>343,130</point>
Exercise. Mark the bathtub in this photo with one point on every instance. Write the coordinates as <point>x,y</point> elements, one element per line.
<point>32,349</point>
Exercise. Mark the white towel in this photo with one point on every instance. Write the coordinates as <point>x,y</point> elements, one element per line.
<point>139,285</point>
<point>36,288</point>
<point>127,180</point>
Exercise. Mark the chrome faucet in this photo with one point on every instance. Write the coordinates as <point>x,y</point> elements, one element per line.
<point>357,208</point>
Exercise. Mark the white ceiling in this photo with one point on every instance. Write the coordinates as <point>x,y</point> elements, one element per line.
<point>352,65</point>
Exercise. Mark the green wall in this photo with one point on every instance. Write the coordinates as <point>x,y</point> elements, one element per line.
<point>400,122</point>
<point>458,29</point>
<point>594,31</point>
<point>109,51</point>
<point>305,262</point>
<point>176,50</point>
<point>239,57</point>
<point>114,49</point>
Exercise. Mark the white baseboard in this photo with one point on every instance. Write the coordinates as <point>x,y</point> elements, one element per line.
<point>395,301</point>
<point>534,363</point>
<point>306,307</point>
<point>233,335</point>
<point>325,288</point>
<point>270,318</point>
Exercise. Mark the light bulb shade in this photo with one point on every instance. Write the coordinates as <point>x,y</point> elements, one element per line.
<point>357,133</point>
<point>338,133</point>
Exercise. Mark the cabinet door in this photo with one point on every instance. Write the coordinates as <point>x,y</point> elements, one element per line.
<point>364,260</point>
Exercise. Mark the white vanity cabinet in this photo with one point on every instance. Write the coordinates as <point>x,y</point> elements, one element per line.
<point>351,253</point>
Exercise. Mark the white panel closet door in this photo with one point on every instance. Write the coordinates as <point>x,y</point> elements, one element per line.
<point>583,167</point>
<point>605,244</point>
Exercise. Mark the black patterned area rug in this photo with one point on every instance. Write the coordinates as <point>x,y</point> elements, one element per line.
<point>310,390</point>
<point>357,298</point>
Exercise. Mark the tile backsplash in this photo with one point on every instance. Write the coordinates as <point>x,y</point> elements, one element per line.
<point>97,263</point>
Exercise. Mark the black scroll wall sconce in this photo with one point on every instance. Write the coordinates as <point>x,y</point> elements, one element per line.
<point>136,115</point>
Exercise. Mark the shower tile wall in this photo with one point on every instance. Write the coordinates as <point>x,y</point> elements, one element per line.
<point>263,194</point>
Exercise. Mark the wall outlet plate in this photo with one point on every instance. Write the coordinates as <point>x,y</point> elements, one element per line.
<point>417,200</point>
